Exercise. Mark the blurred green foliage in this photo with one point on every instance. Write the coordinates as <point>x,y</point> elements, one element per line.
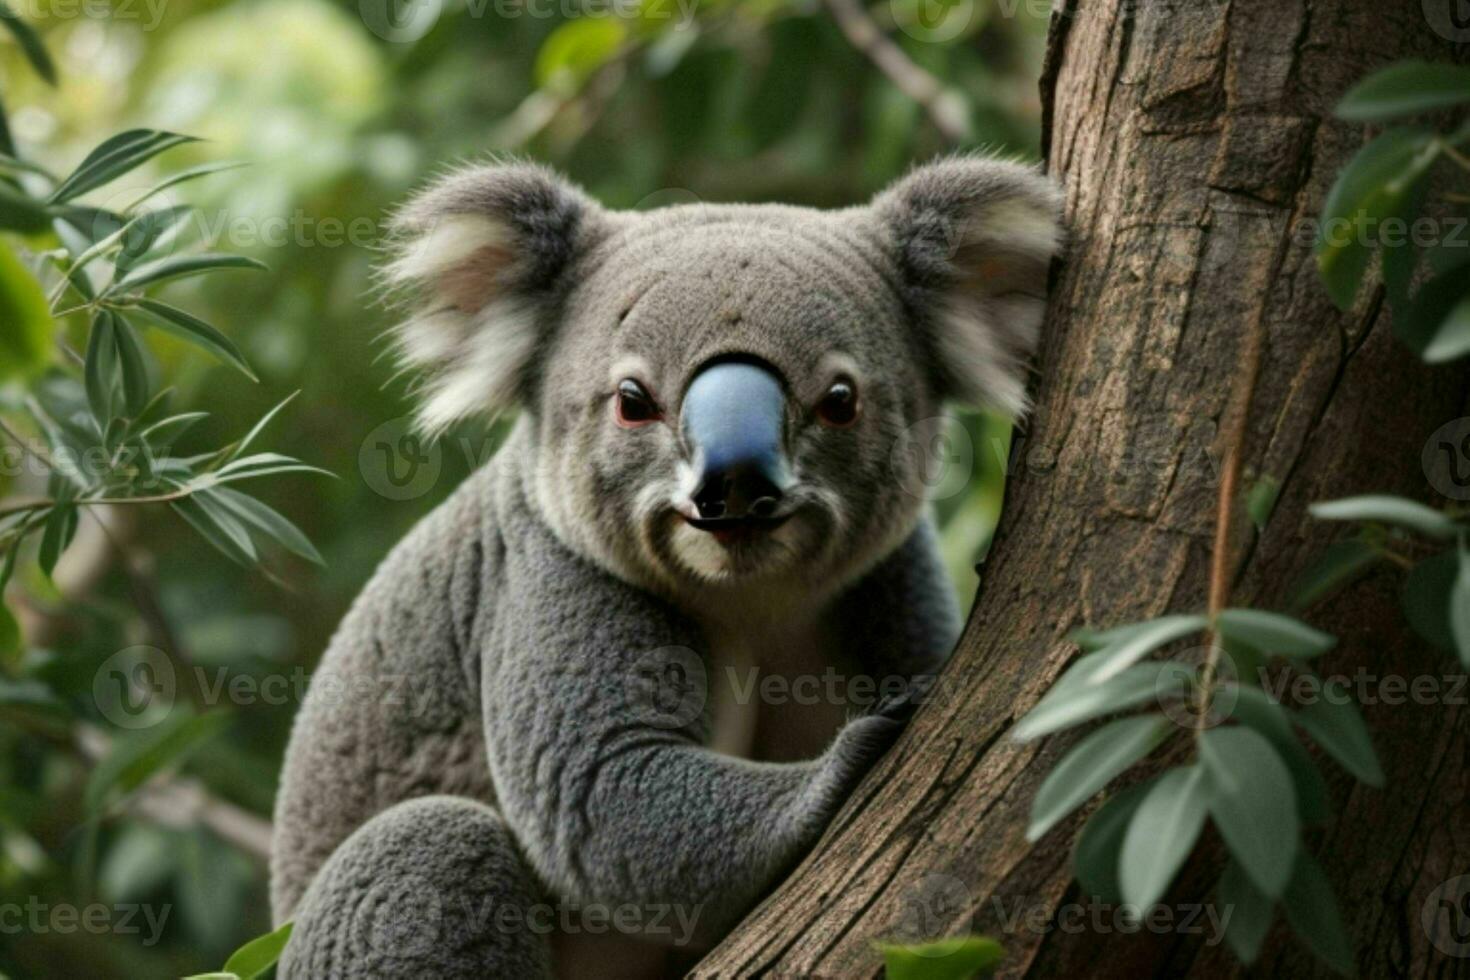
<point>340,109</point>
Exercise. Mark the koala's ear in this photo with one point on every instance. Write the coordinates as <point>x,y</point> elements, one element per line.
<point>479,256</point>
<point>974,238</point>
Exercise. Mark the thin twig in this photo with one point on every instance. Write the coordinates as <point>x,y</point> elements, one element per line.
<point>1222,558</point>
<point>945,109</point>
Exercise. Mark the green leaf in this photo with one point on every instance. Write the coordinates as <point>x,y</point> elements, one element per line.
<point>61,525</point>
<point>1439,306</point>
<point>1451,339</point>
<point>1253,803</point>
<point>1258,710</point>
<point>181,266</point>
<point>20,212</point>
<point>1371,187</point>
<point>258,955</point>
<point>227,539</point>
<point>1092,764</point>
<point>30,43</point>
<point>100,367</point>
<point>1140,640</point>
<point>1338,565</point>
<point>958,958</point>
<point>1161,834</point>
<point>1428,592</point>
<point>143,232</point>
<point>1386,509</point>
<point>1101,841</point>
<point>1460,605</point>
<point>10,638</point>
<point>1311,908</point>
<point>1405,89</point>
<point>1251,912</point>
<point>134,369</point>
<point>1273,633</point>
<point>1065,707</point>
<point>258,427</point>
<point>1334,723</point>
<point>1261,500</point>
<point>115,157</point>
<point>187,174</point>
<point>575,50</point>
<point>25,320</point>
<point>267,520</point>
<point>190,328</point>
<point>137,757</point>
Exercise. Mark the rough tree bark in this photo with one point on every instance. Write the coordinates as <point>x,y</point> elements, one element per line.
<point>1195,141</point>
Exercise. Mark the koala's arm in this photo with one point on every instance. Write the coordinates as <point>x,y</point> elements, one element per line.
<point>903,617</point>
<point>611,802</point>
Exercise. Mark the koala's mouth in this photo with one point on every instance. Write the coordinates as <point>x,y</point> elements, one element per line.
<point>730,531</point>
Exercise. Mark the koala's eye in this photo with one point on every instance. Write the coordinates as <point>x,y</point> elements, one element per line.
<point>634,406</point>
<point>838,407</point>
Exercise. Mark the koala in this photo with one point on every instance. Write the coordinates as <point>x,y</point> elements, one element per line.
<point>712,474</point>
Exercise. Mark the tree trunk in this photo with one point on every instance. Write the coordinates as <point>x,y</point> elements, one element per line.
<point>1196,143</point>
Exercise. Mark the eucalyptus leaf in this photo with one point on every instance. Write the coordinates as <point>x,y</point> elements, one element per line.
<point>1272,632</point>
<point>1311,908</point>
<point>114,157</point>
<point>1333,722</point>
<point>26,329</point>
<point>99,369</point>
<point>1371,187</point>
<point>1092,764</point>
<point>1427,596</point>
<point>1253,803</point>
<point>190,328</point>
<point>1161,834</point>
<point>1253,707</point>
<point>1460,605</point>
<point>1451,339</point>
<point>29,42</point>
<point>1386,509</point>
<point>1251,911</point>
<point>1338,565</point>
<point>134,367</point>
<point>957,958</point>
<point>259,955</point>
<point>1141,640</point>
<point>1406,89</point>
<point>138,756</point>
<point>273,524</point>
<point>181,266</point>
<point>1100,844</point>
<point>1065,708</point>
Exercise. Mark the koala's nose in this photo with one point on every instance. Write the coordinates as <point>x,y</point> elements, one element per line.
<point>733,417</point>
<point>744,491</point>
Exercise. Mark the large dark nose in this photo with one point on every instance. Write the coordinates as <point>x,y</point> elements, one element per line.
<point>733,417</point>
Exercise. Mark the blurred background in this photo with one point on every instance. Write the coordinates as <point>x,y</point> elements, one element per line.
<point>340,109</point>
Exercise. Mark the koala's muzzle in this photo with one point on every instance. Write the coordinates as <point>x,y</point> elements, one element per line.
<point>733,419</point>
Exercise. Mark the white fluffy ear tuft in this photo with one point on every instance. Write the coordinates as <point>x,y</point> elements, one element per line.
<point>974,239</point>
<point>479,256</point>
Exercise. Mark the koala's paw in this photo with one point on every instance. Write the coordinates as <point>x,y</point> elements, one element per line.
<point>861,743</point>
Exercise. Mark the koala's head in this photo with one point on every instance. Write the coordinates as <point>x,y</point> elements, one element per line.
<point>719,396</point>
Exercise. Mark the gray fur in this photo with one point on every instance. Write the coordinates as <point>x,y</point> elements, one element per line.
<point>521,761</point>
